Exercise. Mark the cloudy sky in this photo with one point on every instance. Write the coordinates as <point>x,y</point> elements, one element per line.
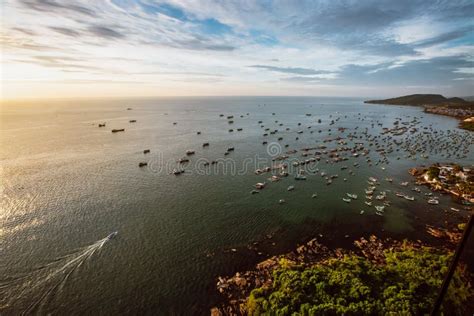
<point>73,48</point>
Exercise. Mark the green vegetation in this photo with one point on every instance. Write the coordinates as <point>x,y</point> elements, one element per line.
<point>406,284</point>
<point>467,125</point>
<point>433,172</point>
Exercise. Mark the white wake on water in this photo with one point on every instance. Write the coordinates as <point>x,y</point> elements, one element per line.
<point>39,285</point>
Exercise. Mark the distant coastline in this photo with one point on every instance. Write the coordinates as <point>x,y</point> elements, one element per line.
<point>437,104</point>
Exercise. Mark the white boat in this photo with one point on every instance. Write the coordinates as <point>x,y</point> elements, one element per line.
<point>379,208</point>
<point>399,194</point>
<point>368,203</point>
<point>404,184</point>
<point>433,201</point>
<point>372,179</point>
<point>281,201</point>
<point>362,212</point>
<point>274,178</point>
<point>346,200</point>
<point>352,196</point>
<point>455,209</point>
<point>409,198</point>
<point>369,192</point>
<point>291,188</point>
<point>112,235</point>
<point>260,185</point>
<point>315,195</point>
<point>379,213</point>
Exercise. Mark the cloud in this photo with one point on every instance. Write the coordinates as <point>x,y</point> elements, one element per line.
<point>65,31</point>
<point>105,32</point>
<point>248,43</point>
<point>290,70</point>
<point>57,6</point>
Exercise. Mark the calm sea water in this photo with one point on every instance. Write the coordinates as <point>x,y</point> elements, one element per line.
<point>67,184</point>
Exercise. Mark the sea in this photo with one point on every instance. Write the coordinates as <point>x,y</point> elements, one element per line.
<point>67,185</point>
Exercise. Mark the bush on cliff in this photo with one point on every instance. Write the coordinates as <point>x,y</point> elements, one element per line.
<point>407,283</point>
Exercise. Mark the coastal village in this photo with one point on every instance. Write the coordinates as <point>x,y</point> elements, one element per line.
<point>450,178</point>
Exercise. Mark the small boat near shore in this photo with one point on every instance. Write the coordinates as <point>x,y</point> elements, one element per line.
<point>352,196</point>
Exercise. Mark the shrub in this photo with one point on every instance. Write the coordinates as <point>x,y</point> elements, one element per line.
<point>407,283</point>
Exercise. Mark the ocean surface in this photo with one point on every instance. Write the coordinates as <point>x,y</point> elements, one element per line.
<point>67,184</point>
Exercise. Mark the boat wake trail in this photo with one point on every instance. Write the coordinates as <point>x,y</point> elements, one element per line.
<point>29,292</point>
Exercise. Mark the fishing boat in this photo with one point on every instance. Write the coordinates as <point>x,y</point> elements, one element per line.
<point>352,196</point>
<point>230,149</point>
<point>369,192</point>
<point>379,213</point>
<point>389,180</point>
<point>112,235</point>
<point>455,209</point>
<point>433,201</point>
<point>362,212</point>
<point>190,152</point>
<point>416,190</point>
<point>346,200</point>
<point>183,160</point>
<point>274,178</point>
<point>260,185</point>
<point>404,184</point>
<point>399,194</point>
<point>205,145</point>
<point>291,188</point>
<point>142,164</point>
<point>177,172</point>
<point>116,130</point>
<point>102,125</point>
<point>146,151</point>
<point>254,192</point>
<point>368,203</point>
<point>315,195</point>
<point>372,179</point>
<point>409,198</point>
<point>379,208</point>
<point>281,201</point>
<point>132,121</point>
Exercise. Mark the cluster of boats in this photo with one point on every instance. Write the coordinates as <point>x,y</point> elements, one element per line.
<point>349,147</point>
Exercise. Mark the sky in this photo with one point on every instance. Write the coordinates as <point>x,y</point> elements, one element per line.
<point>142,48</point>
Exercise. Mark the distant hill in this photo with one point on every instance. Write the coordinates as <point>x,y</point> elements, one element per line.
<point>420,99</point>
